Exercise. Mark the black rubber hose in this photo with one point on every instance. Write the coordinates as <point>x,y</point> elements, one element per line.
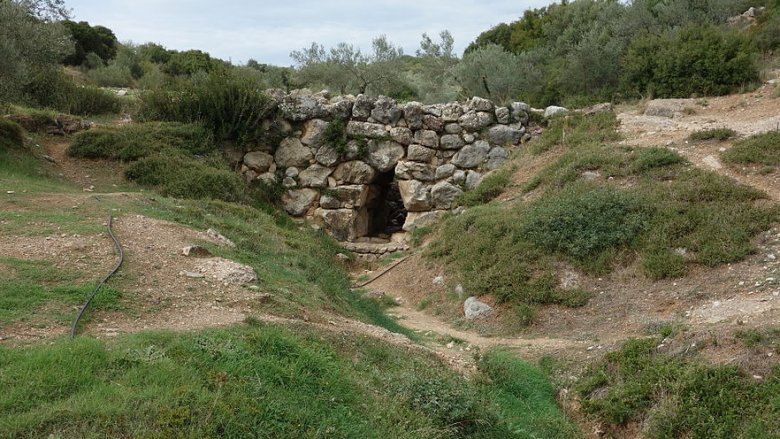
<point>119,262</point>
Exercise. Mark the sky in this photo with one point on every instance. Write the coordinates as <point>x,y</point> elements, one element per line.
<point>267,31</point>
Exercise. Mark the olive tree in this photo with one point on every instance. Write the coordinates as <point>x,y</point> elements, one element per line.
<point>347,69</point>
<point>490,72</point>
<point>29,46</point>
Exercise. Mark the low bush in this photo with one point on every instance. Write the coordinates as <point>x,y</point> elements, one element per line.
<point>653,158</point>
<point>712,134</point>
<point>584,221</point>
<point>187,177</point>
<point>11,134</point>
<point>54,90</point>
<point>760,149</point>
<point>132,142</point>
<point>229,104</point>
<point>111,76</point>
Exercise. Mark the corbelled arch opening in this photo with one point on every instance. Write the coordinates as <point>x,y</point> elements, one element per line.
<point>384,209</point>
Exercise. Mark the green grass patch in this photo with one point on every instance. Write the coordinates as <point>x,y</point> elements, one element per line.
<point>29,288</point>
<point>269,381</point>
<point>760,149</point>
<point>679,396</point>
<point>187,177</point>
<point>489,188</point>
<point>767,338</point>
<point>719,134</point>
<point>136,141</point>
<point>574,129</point>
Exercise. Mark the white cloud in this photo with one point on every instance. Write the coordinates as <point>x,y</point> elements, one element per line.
<point>269,31</point>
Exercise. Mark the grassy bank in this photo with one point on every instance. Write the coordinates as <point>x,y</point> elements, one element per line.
<point>266,381</point>
<point>598,206</point>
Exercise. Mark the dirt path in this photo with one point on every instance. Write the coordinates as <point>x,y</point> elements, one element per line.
<point>747,114</point>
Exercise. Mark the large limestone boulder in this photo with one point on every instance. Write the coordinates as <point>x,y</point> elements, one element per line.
<point>453,128</point>
<point>386,111</point>
<point>314,176</point>
<point>413,114</point>
<point>345,197</point>
<point>366,129</point>
<point>341,107</point>
<point>473,178</point>
<point>445,171</point>
<point>354,172</point>
<point>504,135</point>
<point>343,224</point>
<point>297,202</point>
<point>414,171</point>
<point>419,153</point>
<point>471,156</point>
<point>474,309</point>
<point>291,152</point>
<point>481,104</point>
<point>433,123</point>
<point>451,141</point>
<point>327,155</point>
<point>503,115</point>
<point>300,105</point>
<point>552,110</point>
<point>361,108</point>
<point>415,220</point>
<point>451,112</point>
<point>444,195</point>
<point>384,154</point>
<point>312,132</point>
<point>258,161</point>
<point>427,138</point>
<point>476,120</point>
<point>496,157</point>
<point>416,195</point>
<point>402,135</point>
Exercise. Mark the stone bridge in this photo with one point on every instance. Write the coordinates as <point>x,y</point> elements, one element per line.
<point>367,169</point>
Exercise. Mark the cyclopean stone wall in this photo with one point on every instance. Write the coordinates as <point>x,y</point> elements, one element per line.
<point>434,153</point>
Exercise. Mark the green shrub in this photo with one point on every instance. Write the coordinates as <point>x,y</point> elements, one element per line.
<point>449,401</point>
<point>186,177</point>
<point>132,142</point>
<point>584,222</point>
<point>678,396</point>
<point>696,59</point>
<point>651,158</point>
<point>664,263</point>
<point>712,134</point>
<point>111,76</point>
<point>11,134</point>
<point>335,135</point>
<point>489,188</point>
<point>52,89</point>
<point>760,149</point>
<point>231,105</point>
